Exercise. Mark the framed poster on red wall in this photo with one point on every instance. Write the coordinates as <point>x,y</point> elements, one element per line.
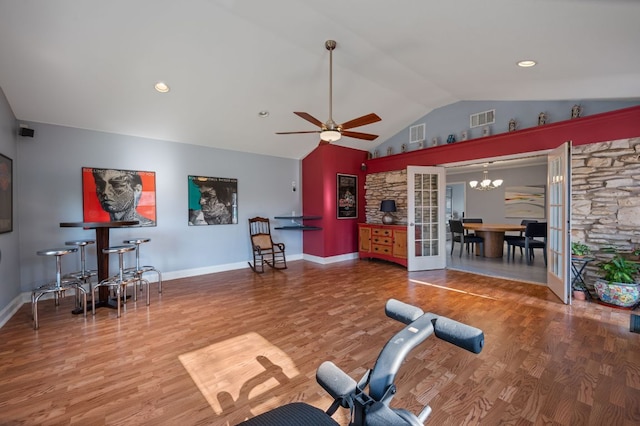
<point>112,194</point>
<point>347,202</point>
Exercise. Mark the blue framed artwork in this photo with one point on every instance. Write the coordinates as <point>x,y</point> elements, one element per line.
<point>212,200</point>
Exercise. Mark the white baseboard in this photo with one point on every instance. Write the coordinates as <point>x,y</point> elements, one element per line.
<point>332,259</point>
<point>186,273</point>
<point>25,297</point>
<point>13,306</point>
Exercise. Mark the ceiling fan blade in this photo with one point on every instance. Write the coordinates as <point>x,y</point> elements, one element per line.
<point>295,133</point>
<point>323,142</point>
<point>361,121</point>
<point>358,135</point>
<point>309,118</point>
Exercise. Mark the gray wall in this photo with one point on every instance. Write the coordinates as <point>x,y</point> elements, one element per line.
<point>457,197</point>
<point>454,118</point>
<point>489,205</point>
<point>50,184</point>
<point>9,242</point>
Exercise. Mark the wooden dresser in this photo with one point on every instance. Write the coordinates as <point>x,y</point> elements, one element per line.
<point>388,242</point>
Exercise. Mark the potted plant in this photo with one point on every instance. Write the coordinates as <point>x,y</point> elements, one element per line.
<point>618,285</point>
<point>579,249</point>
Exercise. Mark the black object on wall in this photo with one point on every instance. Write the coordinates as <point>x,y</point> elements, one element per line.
<point>26,132</point>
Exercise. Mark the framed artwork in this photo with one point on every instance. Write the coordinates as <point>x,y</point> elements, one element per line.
<point>212,201</point>
<point>347,196</point>
<point>6,194</point>
<point>524,202</point>
<point>113,194</point>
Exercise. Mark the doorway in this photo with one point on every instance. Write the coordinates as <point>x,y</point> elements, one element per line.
<point>455,200</point>
<point>490,206</point>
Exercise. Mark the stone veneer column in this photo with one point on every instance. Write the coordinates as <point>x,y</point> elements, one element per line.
<point>386,186</point>
<point>605,197</point>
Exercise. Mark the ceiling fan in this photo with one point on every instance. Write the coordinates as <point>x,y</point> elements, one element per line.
<point>330,131</point>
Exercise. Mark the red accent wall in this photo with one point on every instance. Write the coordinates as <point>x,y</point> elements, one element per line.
<point>320,167</point>
<point>319,188</point>
<point>619,124</point>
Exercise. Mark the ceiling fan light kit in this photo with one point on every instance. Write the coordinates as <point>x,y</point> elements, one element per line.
<point>330,135</point>
<point>330,131</point>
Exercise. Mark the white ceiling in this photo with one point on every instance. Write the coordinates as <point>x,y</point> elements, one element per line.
<point>92,64</point>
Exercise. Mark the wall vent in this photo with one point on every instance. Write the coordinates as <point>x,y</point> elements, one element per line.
<point>482,118</point>
<point>416,133</point>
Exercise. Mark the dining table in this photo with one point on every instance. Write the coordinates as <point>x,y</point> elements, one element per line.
<point>493,235</point>
<point>102,230</point>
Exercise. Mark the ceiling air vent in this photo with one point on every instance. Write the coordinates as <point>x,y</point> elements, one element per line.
<point>416,133</point>
<point>482,118</point>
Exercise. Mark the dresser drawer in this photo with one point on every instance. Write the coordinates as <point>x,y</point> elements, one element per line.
<point>377,248</point>
<point>381,232</point>
<point>376,239</point>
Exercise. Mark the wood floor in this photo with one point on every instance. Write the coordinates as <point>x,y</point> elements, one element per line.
<point>216,349</point>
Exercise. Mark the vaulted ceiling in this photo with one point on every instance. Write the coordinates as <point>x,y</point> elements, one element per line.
<point>93,64</point>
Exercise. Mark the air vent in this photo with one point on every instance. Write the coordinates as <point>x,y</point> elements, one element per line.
<point>483,118</point>
<point>416,133</point>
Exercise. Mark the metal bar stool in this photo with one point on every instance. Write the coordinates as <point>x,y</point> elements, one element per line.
<point>84,274</point>
<point>121,280</point>
<point>139,269</point>
<point>57,287</point>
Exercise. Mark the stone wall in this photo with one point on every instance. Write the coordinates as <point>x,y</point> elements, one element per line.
<point>386,186</point>
<point>605,197</point>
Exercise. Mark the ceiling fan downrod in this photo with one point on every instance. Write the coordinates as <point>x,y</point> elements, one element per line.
<point>330,45</point>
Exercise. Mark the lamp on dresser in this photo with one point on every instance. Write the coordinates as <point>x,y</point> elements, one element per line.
<point>388,207</point>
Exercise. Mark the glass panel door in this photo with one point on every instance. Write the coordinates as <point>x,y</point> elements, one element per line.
<point>558,226</point>
<point>426,188</point>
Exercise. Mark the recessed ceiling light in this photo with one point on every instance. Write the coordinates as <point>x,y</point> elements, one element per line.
<point>161,87</point>
<point>526,63</point>
<point>263,114</point>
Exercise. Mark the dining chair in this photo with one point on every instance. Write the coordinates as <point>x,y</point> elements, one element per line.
<point>535,236</point>
<point>508,238</point>
<point>471,220</point>
<point>458,236</point>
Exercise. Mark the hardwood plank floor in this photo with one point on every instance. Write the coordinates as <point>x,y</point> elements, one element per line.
<point>216,349</point>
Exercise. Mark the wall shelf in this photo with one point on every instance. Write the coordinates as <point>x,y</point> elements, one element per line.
<point>297,224</point>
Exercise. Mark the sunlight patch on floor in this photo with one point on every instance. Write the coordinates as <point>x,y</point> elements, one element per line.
<point>237,370</point>
<point>452,289</point>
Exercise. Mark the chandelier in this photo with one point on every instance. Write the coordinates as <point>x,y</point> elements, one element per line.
<point>485,184</point>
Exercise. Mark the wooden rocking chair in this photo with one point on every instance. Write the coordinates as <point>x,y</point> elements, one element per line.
<point>263,247</point>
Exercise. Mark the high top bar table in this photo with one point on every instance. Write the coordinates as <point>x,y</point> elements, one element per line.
<point>102,241</point>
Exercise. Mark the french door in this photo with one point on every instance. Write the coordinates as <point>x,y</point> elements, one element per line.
<point>426,233</point>
<point>558,222</point>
